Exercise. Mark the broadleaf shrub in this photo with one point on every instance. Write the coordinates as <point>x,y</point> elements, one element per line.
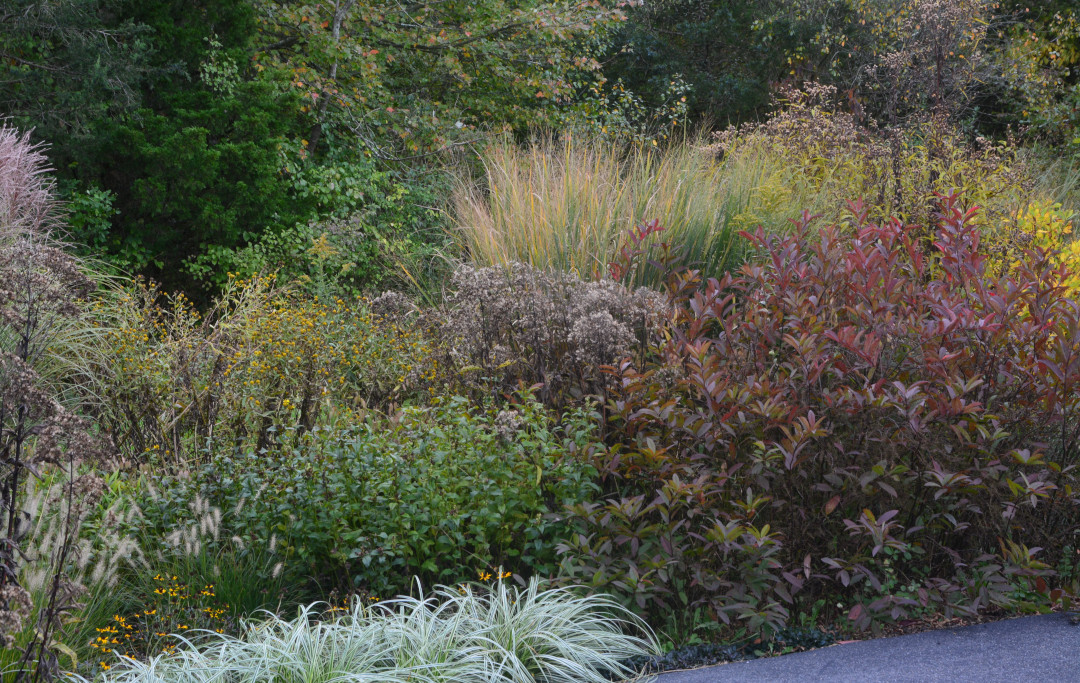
<point>854,416</point>
<point>435,493</point>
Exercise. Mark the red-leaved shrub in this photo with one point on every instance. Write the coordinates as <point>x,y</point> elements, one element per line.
<point>848,417</point>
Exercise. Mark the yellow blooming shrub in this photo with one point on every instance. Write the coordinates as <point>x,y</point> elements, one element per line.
<point>264,363</point>
<point>1039,225</point>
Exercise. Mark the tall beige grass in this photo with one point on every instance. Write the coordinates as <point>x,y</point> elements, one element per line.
<point>568,204</point>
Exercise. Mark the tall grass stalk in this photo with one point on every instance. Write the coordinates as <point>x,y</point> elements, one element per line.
<point>567,204</point>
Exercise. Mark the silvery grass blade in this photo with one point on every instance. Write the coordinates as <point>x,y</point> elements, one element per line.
<point>423,632</point>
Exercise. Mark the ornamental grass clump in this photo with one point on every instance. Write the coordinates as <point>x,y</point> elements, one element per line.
<point>564,205</point>
<point>458,634</point>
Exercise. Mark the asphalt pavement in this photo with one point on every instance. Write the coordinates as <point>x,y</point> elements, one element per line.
<point>1043,648</point>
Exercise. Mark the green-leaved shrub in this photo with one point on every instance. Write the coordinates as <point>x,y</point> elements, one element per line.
<point>438,493</point>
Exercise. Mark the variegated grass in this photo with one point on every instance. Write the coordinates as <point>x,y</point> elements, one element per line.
<point>458,633</point>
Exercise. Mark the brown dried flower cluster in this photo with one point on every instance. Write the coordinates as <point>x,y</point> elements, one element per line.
<point>806,121</point>
<point>15,608</point>
<point>507,424</point>
<point>391,304</point>
<point>40,290</point>
<point>522,324</point>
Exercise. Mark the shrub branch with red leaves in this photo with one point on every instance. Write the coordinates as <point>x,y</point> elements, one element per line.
<point>848,416</point>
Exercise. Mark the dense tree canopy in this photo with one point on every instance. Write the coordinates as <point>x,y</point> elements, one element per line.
<point>190,135</point>
<point>64,65</point>
<point>414,76</point>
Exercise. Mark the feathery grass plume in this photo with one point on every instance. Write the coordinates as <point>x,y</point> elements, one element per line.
<point>92,581</point>
<point>458,634</point>
<point>27,198</point>
<point>96,560</point>
<point>199,545</point>
<point>1057,177</point>
<point>39,275</point>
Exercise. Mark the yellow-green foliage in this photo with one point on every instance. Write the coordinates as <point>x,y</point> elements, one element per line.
<point>814,151</point>
<point>264,362</point>
<point>568,204</point>
<point>1049,226</point>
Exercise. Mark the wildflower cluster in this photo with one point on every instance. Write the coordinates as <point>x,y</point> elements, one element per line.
<point>263,363</point>
<point>173,607</point>
<point>498,575</point>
